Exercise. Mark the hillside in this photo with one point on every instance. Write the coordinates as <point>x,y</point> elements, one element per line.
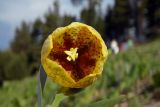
<point>128,73</point>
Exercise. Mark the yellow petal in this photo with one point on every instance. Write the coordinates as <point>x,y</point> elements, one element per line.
<point>57,73</point>
<point>86,81</point>
<point>46,48</point>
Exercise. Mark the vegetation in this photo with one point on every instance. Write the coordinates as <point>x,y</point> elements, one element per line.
<point>128,74</point>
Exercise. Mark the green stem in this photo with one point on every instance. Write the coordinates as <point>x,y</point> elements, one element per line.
<point>57,100</point>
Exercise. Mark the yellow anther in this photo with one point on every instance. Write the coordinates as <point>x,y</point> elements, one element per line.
<point>72,54</point>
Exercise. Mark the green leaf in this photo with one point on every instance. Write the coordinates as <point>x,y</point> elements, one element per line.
<point>107,102</point>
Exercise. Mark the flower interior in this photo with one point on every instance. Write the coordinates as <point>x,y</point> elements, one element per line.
<point>88,51</point>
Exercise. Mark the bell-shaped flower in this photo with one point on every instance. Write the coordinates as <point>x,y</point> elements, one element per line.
<point>73,56</point>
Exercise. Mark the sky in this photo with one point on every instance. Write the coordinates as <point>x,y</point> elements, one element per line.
<point>13,12</point>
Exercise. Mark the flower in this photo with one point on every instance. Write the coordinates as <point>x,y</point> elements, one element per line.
<point>73,56</point>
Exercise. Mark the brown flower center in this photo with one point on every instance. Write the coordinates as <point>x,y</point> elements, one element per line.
<point>88,49</point>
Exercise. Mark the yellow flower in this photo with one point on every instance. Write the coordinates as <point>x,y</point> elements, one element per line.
<point>73,56</point>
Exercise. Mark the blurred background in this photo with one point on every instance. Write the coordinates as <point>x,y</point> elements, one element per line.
<point>130,29</point>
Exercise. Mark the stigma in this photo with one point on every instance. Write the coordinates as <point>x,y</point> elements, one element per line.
<point>72,54</point>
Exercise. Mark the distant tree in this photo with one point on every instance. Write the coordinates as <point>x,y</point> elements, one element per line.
<point>100,26</point>
<point>66,20</point>
<point>37,31</point>
<point>93,17</point>
<point>25,44</point>
<point>5,57</point>
<point>16,68</point>
<point>153,13</point>
<point>37,37</point>
<point>22,40</point>
<point>117,19</point>
<point>88,15</point>
<point>12,66</point>
<point>109,29</point>
<point>52,20</point>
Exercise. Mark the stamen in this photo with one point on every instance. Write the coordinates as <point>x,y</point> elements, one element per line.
<point>72,54</point>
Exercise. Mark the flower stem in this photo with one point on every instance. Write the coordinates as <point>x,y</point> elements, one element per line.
<point>58,99</point>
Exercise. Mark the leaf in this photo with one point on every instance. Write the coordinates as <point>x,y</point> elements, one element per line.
<point>41,83</point>
<point>107,102</point>
<point>43,77</point>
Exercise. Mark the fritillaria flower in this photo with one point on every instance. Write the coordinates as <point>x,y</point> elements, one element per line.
<point>73,56</point>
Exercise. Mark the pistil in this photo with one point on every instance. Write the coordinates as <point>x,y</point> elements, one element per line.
<point>72,54</point>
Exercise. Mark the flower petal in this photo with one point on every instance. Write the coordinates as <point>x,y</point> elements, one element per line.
<point>57,73</point>
<point>86,81</point>
<point>46,48</point>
